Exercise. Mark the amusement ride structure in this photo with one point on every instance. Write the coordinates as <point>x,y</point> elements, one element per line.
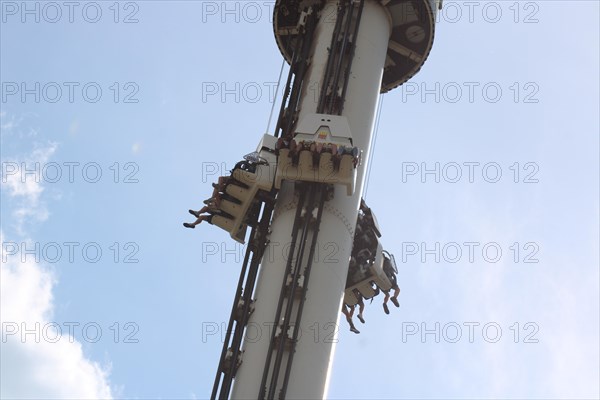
<point>303,187</point>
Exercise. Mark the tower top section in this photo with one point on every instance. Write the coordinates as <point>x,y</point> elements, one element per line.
<point>413,27</point>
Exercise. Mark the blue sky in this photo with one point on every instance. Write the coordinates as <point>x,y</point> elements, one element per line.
<point>160,130</point>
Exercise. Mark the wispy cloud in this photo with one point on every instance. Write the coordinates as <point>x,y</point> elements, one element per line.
<point>25,188</point>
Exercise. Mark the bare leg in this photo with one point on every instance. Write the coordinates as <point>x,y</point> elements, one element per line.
<point>220,185</point>
<point>214,201</point>
<point>361,308</point>
<point>348,315</point>
<point>201,211</point>
<point>385,300</point>
<point>197,222</point>
<point>395,296</point>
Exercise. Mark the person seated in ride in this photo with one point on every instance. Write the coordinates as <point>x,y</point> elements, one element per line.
<point>363,256</point>
<point>221,185</point>
<point>282,143</point>
<point>219,194</point>
<point>244,165</point>
<point>295,149</point>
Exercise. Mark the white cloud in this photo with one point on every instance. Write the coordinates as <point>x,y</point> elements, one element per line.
<point>37,365</point>
<point>10,125</point>
<point>26,188</point>
<point>40,370</point>
<point>6,124</point>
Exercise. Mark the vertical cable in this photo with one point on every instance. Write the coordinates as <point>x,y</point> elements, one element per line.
<point>276,94</point>
<point>377,121</point>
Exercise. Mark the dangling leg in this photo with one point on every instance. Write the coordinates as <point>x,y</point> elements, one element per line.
<point>348,315</point>
<point>197,222</point>
<point>220,185</point>
<point>361,308</point>
<point>213,202</point>
<point>395,296</point>
<point>201,211</point>
<point>315,154</point>
<point>385,300</point>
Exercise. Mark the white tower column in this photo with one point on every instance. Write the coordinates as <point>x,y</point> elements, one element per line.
<point>315,347</point>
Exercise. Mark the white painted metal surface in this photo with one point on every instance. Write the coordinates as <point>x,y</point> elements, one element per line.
<point>314,351</point>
